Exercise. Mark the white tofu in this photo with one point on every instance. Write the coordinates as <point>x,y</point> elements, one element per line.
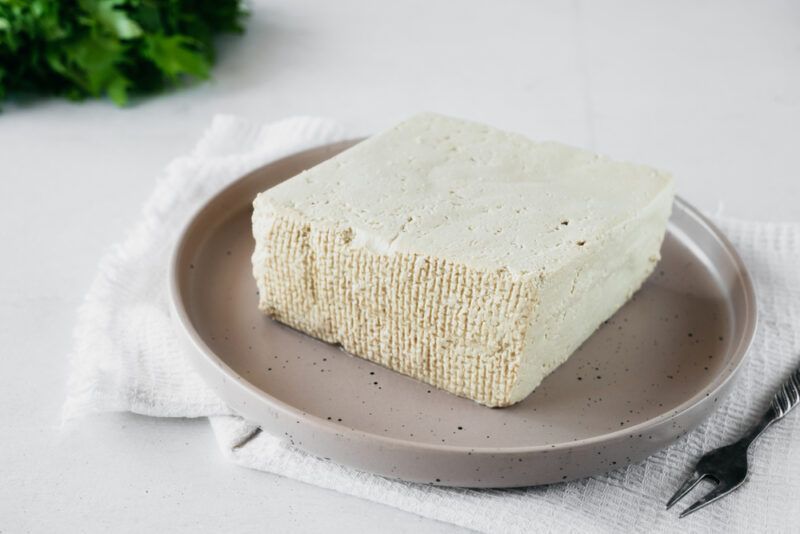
<point>470,258</point>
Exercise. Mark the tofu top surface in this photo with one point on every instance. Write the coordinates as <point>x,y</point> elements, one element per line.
<point>470,193</point>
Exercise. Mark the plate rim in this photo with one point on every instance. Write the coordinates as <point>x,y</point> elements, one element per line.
<point>181,317</point>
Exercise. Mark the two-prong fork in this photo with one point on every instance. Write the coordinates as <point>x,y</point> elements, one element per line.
<point>727,466</point>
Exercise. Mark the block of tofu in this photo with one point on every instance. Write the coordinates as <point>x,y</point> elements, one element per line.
<point>470,258</point>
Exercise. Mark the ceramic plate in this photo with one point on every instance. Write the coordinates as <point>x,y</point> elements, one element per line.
<point>651,373</point>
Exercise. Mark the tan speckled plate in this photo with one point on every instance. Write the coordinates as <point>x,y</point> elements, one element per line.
<point>650,374</point>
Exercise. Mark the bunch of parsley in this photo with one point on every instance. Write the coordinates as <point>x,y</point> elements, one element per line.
<point>91,48</point>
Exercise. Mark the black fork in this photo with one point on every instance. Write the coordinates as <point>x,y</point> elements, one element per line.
<point>727,466</point>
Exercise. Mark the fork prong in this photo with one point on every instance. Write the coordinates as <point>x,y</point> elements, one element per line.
<point>687,486</point>
<point>718,492</point>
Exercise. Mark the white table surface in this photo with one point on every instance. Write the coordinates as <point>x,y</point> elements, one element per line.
<point>710,91</point>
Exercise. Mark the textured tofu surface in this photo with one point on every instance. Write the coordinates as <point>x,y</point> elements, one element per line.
<point>470,258</point>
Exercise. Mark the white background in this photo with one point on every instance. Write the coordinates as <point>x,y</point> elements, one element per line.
<point>708,90</point>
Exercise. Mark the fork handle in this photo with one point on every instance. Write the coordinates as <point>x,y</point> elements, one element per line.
<point>787,397</point>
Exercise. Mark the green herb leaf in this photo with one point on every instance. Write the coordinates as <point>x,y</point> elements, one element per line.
<point>82,48</point>
<point>112,20</point>
<point>176,55</point>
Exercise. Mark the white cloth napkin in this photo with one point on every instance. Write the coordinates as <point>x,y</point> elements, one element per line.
<point>127,358</point>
